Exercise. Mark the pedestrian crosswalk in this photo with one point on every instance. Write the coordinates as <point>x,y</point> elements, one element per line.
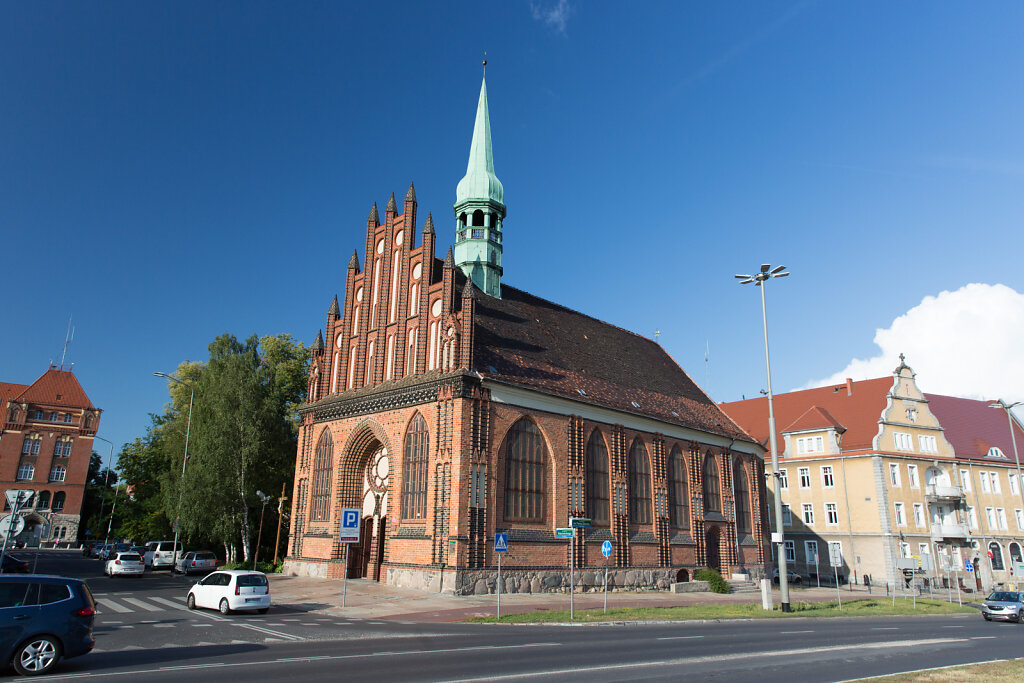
<point>123,605</point>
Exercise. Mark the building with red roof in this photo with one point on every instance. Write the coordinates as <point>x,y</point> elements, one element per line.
<point>446,406</point>
<point>45,443</point>
<point>887,474</point>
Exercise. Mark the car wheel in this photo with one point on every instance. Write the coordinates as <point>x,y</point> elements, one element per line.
<point>263,610</point>
<point>987,617</point>
<point>191,602</point>
<point>38,656</point>
<point>225,608</point>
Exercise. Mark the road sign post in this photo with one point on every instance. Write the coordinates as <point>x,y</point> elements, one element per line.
<point>835,558</point>
<point>606,550</point>
<point>500,547</point>
<point>348,534</point>
<point>16,498</point>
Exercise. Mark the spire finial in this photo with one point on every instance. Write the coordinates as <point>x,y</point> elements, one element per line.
<point>485,63</point>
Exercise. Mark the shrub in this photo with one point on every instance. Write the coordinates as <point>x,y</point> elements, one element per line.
<point>265,567</point>
<point>715,581</point>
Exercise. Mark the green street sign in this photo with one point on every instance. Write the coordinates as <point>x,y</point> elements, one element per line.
<point>579,522</point>
<point>566,532</point>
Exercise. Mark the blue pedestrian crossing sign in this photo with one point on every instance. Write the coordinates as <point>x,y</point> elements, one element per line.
<point>501,543</point>
<point>606,548</point>
<point>968,566</point>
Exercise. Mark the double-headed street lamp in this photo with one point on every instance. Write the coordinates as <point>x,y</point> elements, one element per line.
<point>759,279</point>
<point>1003,405</point>
<point>184,462</point>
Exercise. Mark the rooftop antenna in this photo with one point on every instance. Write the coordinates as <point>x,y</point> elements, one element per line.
<point>657,333</point>
<point>707,362</point>
<point>69,337</point>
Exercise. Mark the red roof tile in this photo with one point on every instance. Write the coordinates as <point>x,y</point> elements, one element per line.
<point>857,406</point>
<point>56,388</point>
<point>9,390</point>
<point>814,417</point>
<point>973,428</point>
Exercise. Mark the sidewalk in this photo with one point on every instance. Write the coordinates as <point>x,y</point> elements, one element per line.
<point>371,600</point>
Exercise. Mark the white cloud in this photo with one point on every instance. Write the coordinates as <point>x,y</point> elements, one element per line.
<point>556,16</point>
<point>965,343</point>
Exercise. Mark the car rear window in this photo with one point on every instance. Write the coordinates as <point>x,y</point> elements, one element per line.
<point>130,557</point>
<point>205,556</point>
<point>252,580</point>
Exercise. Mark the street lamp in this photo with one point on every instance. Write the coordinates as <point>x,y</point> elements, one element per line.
<point>184,462</point>
<point>759,279</point>
<point>106,478</point>
<point>266,499</point>
<point>1008,407</point>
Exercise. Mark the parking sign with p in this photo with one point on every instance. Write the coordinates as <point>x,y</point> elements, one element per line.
<point>349,532</point>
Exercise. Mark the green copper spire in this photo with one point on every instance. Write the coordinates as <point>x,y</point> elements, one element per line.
<point>480,181</point>
<point>480,209</point>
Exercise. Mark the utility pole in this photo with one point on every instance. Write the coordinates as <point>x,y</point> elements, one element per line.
<point>280,514</point>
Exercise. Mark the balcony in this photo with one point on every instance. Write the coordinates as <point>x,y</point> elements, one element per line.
<point>943,492</point>
<point>949,531</point>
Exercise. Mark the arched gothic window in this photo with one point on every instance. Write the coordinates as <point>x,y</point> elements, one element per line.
<point>741,491</point>
<point>44,500</point>
<point>525,457</point>
<point>320,508</point>
<point>639,484</point>
<point>997,556</point>
<point>58,501</point>
<point>414,470</point>
<point>712,487</point>
<point>678,492</point>
<point>597,479</point>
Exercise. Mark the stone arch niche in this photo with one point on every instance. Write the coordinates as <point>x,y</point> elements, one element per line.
<point>364,481</point>
<point>713,548</point>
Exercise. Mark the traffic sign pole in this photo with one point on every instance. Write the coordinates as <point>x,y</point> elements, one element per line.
<point>348,534</point>
<point>344,590</point>
<point>606,550</point>
<point>500,547</point>
<point>572,573</point>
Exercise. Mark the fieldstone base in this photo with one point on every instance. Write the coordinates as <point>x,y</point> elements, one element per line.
<point>691,587</point>
<point>317,570</point>
<point>484,582</point>
<point>433,580</point>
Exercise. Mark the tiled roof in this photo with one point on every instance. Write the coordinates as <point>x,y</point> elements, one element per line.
<point>857,406</point>
<point>523,340</point>
<point>9,391</point>
<point>56,388</point>
<point>814,417</point>
<point>973,428</point>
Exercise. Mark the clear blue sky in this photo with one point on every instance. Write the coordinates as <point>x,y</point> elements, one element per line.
<point>172,171</point>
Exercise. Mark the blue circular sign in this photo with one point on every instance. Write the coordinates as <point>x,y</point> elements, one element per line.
<point>606,548</point>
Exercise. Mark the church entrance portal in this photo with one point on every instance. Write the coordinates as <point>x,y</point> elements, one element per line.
<point>713,556</point>
<point>365,558</point>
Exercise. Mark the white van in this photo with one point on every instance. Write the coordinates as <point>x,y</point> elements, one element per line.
<point>160,554</point>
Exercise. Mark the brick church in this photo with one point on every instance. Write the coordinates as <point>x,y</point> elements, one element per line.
<point>448,406</point>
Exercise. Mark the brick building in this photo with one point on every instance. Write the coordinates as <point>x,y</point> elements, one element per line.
<point>447,405</point>
<point>45,444</point>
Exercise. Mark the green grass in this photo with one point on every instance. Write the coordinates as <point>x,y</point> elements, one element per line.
<point>851,608</point>
<point>1009,671</point>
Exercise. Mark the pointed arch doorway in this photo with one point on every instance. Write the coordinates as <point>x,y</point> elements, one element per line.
<point>366,468</point>
<point>712,550</point>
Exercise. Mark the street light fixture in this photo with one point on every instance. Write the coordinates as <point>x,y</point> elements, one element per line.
<point>759,279</point>
<point>1008,407</point>
<point>266,499</point>
<point>184,462</point>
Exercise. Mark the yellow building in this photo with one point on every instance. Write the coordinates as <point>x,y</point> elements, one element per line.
<point>888,473</point>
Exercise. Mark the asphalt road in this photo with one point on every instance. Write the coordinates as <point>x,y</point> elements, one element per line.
<point>161,641</point>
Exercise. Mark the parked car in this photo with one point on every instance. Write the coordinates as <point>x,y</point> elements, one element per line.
<point>14,565</point>
<point>196,562</point>
<point>160,554</point>
<point>1003,606</point>
<point>231,590</point>
<point>791,576</point>
<point>105,551</point>
<point>140,549</point>
<point>125,564</point>
<point>42,619</point>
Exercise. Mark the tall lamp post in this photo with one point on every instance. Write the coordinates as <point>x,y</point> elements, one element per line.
<point>759,280</point>
<point>184,461</point>
<point>1009,418</point>
<point>106,478</point>
<point>266,499</point>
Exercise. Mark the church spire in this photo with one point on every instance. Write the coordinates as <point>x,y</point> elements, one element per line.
<point>480,209</point>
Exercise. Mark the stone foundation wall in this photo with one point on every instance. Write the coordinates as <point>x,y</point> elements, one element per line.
<point>292,567</point>
<point>483,582</point>
<point>433,580</point>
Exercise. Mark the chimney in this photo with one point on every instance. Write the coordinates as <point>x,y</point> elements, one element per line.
<point>849,386</point>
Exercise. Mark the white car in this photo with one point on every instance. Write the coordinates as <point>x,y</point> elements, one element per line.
<point>196,562</point>
<point>160,554</point>
<point>231,590</point>
<point>125,564</point>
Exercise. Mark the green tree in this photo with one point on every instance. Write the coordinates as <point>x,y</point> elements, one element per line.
<point>98,497</point>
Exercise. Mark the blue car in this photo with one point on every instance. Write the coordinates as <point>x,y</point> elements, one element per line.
<point>42,620</point>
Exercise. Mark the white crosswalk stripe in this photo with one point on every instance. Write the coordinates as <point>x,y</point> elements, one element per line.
<point>169,603</point>
<point>110,604</point>
<point>143,605</point>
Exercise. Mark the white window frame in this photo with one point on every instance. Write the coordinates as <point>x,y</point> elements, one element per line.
<point>990,517</point>
<point>787,515</point>
<point>1001,519</point>
<point>919,520</point>
<point>790,551</point>
<point>972,517</point>
<point>828,479</point>
<point>912,479</point>
<point>927,443</point>
<point>1019,515</point>
<point>808,553</point>
<point>996,486</point>
<point>904,549</point>
<point>894,475</point>
<point>804,474</point>
<point>831,514</point>
<point>903,441</point>
<point>1014,484</point>
<point>810,444</point>
<point>983,478</point>
<point>808,513</point>
<point>25,472</point>
<point>965,480</point>
<point>783,479</point>
<point>901,514</point>
<point>923,549</point>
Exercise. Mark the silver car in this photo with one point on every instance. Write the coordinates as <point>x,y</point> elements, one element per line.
<point>196,561</point>
<point>1003,606</point>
